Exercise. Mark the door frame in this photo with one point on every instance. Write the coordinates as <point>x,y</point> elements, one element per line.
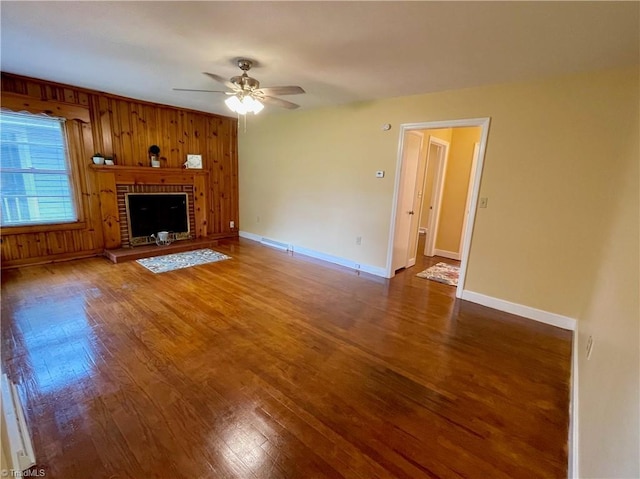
<point>466,247</point>
<point>467,208</point>
<point>437,192</point>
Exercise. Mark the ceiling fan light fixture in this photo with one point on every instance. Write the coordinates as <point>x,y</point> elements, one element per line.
<point>235,105</point>
<point>255,105</point>
<point>245,105</point>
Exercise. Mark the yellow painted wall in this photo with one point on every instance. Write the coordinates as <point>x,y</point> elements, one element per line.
<point>310,178</point>
<point>456,186</point>
<point>609,395</point>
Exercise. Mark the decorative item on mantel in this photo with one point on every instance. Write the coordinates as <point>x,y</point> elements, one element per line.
<point>98,159</point>
<point>154,152</point>
<point>193,161</point>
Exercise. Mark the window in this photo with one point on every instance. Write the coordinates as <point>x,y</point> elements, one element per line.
<point>35,178</point>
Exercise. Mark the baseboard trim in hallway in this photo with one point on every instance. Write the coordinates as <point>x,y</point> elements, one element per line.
<point>375,270</point>
<point>528,312</point>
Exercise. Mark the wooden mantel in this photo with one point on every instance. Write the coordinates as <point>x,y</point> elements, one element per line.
<point>145,175</point>
<point>108,177</point>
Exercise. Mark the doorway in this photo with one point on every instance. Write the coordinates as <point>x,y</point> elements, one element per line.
<point>434,176</point>
<point>408,174</point>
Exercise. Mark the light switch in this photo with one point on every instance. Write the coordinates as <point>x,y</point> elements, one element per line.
<point>483,202</point>
<point>380,174</point>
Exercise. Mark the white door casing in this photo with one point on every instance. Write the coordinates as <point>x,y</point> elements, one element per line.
<point>467,208</point>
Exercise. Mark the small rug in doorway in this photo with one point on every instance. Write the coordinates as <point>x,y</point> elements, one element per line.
<point>170,262</point>
<point>442,273</point>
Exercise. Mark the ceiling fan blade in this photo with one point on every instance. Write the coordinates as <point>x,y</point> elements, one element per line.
<point>282,90</point>
<point>270,100</point>
<point>219,79</point>
<point>208,91</point>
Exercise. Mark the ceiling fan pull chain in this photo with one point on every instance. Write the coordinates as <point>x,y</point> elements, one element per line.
<point>244,121</point>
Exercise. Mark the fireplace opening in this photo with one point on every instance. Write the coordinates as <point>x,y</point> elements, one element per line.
<point>149,213</point>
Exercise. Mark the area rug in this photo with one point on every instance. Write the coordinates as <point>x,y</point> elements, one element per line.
<point>170,262</point>
<point>442,273</point>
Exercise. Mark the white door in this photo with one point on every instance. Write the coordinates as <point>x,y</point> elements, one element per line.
<point>429,184</point>
<point>438,152</point>
<point>406,217</point>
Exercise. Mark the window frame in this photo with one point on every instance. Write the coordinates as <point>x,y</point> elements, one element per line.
<point>15,103</point>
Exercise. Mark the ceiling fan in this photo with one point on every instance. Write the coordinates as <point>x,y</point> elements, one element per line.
<point>246,96</point>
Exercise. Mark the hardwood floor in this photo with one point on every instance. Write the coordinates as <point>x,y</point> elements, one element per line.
<point>269,365</point>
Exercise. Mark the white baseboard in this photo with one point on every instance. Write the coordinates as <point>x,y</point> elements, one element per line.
<point>266,241</point>
<point>546,317</point>
<point>375,270</point>
<point>251,236</point>
<point>574,466</point>
<point>447,254</point>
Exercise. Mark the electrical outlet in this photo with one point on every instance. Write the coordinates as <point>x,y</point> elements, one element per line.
<point>257,219</point>
<point>232,224</point>
<point>589,347</point>
<point>358,240</point>
<point>483,202</point>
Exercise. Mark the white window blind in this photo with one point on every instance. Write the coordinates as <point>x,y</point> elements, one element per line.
<point>35,177</point>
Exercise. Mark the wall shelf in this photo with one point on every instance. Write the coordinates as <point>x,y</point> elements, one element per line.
<point>146,170</point>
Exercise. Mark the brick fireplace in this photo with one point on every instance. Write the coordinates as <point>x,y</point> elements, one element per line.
<point>125,227</point>
<point>115,182</point>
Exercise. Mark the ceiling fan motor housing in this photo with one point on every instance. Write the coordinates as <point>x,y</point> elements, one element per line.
<point>244,64</point>
<point>245,82</point>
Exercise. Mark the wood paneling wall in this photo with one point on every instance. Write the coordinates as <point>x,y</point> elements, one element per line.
<point>124,129</point>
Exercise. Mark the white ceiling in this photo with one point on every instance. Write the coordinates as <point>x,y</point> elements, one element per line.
<point>338,52</point>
